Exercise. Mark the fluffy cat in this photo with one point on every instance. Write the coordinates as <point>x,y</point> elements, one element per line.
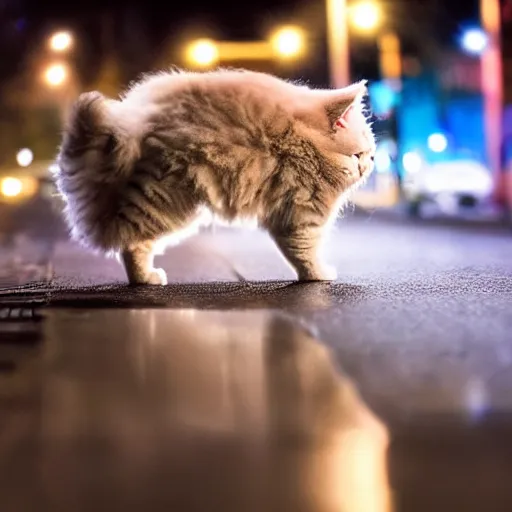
<point>240,144</point>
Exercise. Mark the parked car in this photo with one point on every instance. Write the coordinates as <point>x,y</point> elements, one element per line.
<point>452,186</point>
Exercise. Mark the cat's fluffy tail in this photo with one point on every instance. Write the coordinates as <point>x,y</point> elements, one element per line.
<point>97,140</point>
<point>98,151</point>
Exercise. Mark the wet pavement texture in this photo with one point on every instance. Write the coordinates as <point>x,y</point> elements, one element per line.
<point>429,306</point>
<point>419,321</point>
<point>191,411</point>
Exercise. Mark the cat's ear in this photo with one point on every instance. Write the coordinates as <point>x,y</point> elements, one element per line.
<point>337,103</point>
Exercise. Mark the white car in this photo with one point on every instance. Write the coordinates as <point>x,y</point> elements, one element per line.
<point>450,186</point>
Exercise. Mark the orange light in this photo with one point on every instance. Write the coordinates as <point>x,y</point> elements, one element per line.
<point>288,42</point>
<point>55,75</point>
<point>61,41</point>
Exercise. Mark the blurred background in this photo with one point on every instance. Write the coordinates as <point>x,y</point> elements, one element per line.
<point>440,85</point>
<point>101,397</point>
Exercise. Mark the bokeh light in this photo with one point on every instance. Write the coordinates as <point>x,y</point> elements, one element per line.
<point>24,157</point>
<point>365,16</point>
<point>382,160</point>
<point>288,42</point>
<point>474,41</point>
<point>61,41</point>
<point>203,52</point>
<point>412,162</point>
<point>437,142</point>
<point>11,187</point>
<point>55,75</point>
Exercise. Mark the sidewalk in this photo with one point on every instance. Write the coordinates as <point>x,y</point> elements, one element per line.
<point>490,217</point>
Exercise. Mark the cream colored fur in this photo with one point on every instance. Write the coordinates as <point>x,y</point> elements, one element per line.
<point>237,144</point>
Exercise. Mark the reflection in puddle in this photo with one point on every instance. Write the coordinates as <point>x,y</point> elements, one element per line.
<point>329,444</point>
<point>24,261</point>
<point>185,410</point>
<point>476,398</point>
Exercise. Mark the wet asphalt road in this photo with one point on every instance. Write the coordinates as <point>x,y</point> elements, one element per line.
<point>420,320</point>
<point>429,305</point>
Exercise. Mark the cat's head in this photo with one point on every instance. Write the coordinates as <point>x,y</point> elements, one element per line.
<point>337,121</point>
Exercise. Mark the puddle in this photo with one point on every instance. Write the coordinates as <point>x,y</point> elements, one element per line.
<point>191,410</point>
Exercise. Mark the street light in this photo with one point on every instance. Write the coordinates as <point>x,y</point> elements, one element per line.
<point>11,187</point>
<point>24,157</point>
<point>288,42</point>
<point>203,52</point>
<point>474,41</point>
<point>365,16</point>
<point>55,75</point>
<point>61,41</point>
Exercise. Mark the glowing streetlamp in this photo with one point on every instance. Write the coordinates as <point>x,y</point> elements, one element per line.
<point>474,41</point>
<point>24,157</point>
<point>365,16</point>
<point>61,41</point>
<point>288,42</point>
<point>11,187</point>
<point>203,53</point>
<point>56,75</point>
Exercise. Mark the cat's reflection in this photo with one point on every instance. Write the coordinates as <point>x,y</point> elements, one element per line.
<point>307,440</point>
<point>206,411</point>
<point>330,449</point>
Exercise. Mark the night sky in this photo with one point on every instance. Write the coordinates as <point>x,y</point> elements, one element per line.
<point>235,16</point>
<point>24,23</point>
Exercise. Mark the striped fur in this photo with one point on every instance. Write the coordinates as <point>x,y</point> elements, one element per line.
<point>237,143</point>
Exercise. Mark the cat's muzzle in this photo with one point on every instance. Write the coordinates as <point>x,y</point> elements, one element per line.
<point>364,162</point>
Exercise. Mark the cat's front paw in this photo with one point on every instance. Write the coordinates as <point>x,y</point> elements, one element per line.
<point>157,277</point>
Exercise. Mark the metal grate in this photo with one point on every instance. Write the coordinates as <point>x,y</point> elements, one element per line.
<point>19,314</point>
<point>21,331</point>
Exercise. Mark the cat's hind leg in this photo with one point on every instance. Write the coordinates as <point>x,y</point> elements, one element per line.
<point>152,212</point>
<point>138,263</point>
